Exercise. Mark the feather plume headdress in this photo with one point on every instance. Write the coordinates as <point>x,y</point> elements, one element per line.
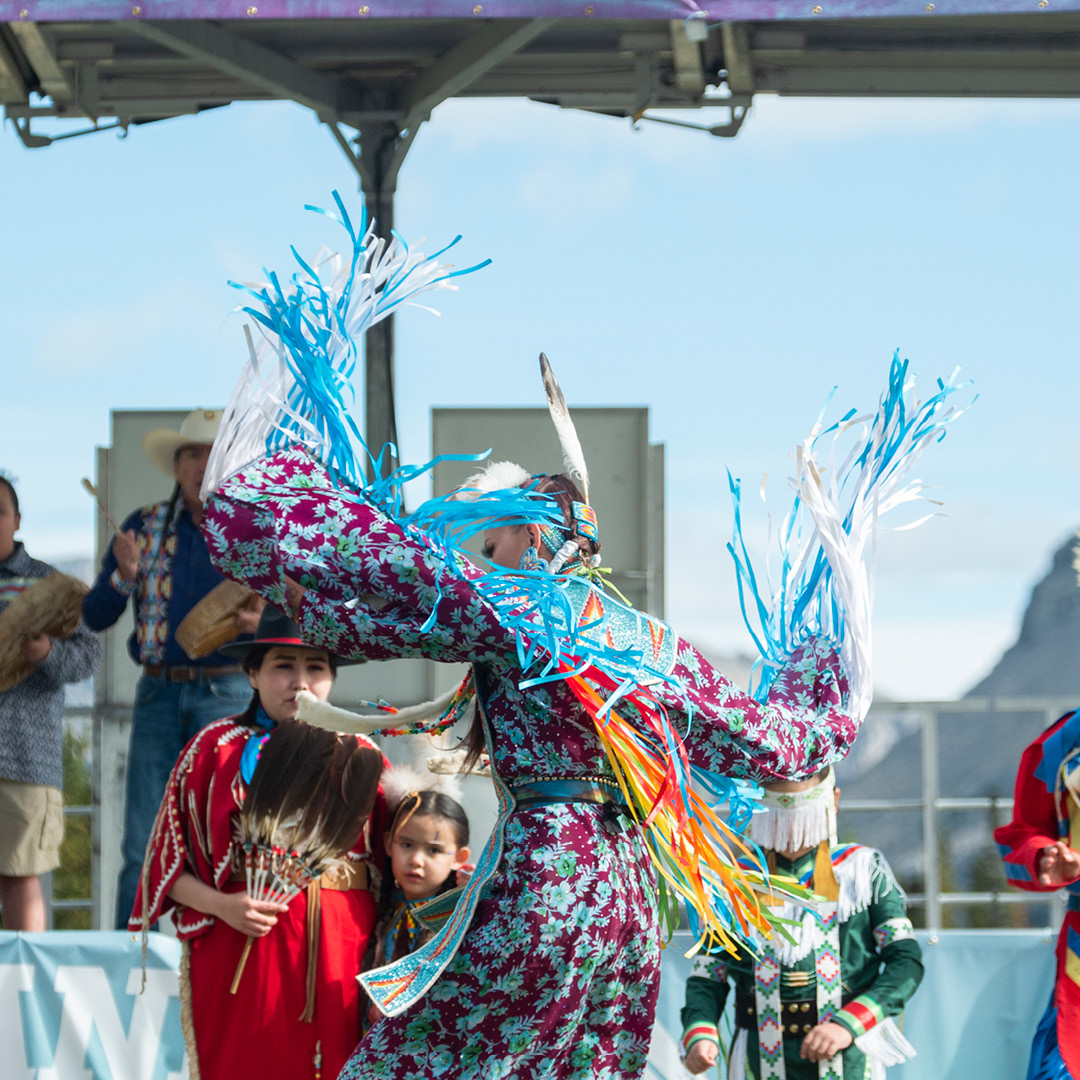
<point>573,455</point>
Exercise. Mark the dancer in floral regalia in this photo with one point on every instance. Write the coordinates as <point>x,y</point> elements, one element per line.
<point>595,717</point>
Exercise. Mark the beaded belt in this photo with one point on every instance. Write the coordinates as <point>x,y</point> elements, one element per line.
<point>592,789</point>
<point>796,1017</point>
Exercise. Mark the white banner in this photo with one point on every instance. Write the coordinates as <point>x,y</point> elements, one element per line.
<point>70,1007</point>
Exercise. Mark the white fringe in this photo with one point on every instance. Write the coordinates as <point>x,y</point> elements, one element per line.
<point>885,1045</point>
<point>864,877</point>
<point>784,829</point>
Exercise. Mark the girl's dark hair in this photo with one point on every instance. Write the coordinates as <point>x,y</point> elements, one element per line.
<point>430,803</point>
<point>251,663</point>
<point>425,804</point>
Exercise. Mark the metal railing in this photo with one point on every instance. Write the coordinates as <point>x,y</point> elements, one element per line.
<point>934,899</point>
<point>80,903</point>
<point>930,806</point>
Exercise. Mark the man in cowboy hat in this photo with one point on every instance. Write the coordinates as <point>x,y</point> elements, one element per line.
<point>160,559</point>
<point>32,734</point>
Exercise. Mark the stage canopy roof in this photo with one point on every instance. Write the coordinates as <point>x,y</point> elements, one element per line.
<point>390,62</point>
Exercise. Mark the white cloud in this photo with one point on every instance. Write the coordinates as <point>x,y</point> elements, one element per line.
<point>937,659</point>
<point>566,191</point>
<point>480,127</point>
<point>118,338</point>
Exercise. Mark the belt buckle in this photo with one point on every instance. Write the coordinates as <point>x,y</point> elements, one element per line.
<point>182,674</point>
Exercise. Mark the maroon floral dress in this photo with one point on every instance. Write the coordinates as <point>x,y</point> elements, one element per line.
<point>557,973</point>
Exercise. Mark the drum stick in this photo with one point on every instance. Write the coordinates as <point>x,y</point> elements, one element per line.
<point>91,490</point>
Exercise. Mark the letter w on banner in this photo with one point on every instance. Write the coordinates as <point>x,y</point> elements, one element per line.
<point>70,1007</point>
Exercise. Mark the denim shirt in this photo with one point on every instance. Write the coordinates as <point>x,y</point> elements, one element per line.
<point>174,574</point>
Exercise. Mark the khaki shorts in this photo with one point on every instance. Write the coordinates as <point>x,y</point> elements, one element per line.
<point>31,828</point>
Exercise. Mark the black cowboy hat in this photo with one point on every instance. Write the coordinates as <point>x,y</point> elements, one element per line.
<point>276,628</point>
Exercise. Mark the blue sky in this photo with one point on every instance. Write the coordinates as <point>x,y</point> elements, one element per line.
<point>727,284</point>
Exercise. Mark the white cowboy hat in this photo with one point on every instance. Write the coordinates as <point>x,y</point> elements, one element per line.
<point>199,427</point>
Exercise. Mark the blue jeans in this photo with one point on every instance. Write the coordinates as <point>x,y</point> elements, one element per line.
<point>167,716</point>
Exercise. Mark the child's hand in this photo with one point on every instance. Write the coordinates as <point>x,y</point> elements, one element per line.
<point>1058,864</point>
<point>463,873</point>
<point>825,1041</point>
<point>255,918</point>
<point>701,1056</point>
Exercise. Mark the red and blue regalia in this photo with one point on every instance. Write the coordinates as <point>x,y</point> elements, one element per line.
<point>1047,810</point>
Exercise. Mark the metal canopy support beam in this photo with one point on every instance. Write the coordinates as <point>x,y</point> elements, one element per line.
<point>12,87</point>
<point>462,65</point>
<point>381,148</point>
<point>254,64</point>
<point>740,69</point>
<point>42,59</point>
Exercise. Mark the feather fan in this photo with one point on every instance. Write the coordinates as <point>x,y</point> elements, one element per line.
<point>573,455</point>
<point>307,802</point>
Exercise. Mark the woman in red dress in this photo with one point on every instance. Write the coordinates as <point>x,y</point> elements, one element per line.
<point>296,1008</point>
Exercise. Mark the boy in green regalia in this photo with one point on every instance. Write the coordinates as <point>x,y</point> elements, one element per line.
<point>821,1008</point>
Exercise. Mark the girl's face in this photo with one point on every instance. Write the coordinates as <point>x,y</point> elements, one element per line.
<point>423,854</point>
<point>286,670</point>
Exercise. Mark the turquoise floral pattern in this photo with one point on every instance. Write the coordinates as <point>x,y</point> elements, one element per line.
<point>558,973</point>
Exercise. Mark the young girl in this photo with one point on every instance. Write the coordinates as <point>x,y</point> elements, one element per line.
<point>428,846</point>
<point>296,1007</point>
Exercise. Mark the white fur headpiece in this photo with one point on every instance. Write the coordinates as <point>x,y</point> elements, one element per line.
<point>496,476</point>
<point>400,781</point>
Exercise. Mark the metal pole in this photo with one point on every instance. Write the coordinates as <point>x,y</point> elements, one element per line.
<point>380,421</point>
<point>381,150</point>
<point>930,820</point>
